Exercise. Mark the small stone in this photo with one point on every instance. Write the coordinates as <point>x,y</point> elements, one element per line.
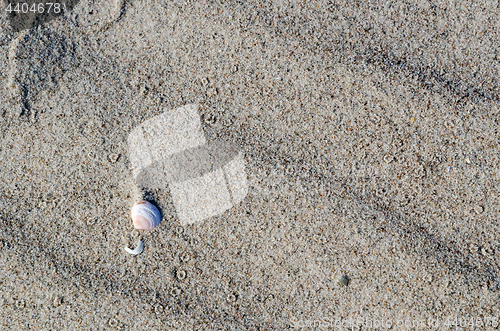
<point>113,157</point>
<point>473,248</point>
<point>343,281</point>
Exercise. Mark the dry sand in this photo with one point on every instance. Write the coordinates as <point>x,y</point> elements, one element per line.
<point>370,134</point>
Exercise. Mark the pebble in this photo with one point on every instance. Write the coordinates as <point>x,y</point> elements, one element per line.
<point>137,250</point>
<point>344,281</point>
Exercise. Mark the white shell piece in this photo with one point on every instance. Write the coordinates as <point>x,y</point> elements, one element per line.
<point>137,250</point>
<point>145,215</point>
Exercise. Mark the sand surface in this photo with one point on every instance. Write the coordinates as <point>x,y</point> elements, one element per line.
<point>371,139</point>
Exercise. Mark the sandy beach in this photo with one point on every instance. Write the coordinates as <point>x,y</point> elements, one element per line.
<point>370,137</point>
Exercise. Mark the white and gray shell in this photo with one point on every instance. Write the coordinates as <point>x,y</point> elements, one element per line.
<point>145,215</point>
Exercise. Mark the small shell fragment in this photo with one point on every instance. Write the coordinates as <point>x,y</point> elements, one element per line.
<point>145,215</point>
<point>137,250</point>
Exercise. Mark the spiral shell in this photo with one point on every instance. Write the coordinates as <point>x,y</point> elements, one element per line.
<point>145,215</point>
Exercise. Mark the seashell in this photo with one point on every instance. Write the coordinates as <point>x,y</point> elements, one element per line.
<point>145,215</point>
<point>137,250</point>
